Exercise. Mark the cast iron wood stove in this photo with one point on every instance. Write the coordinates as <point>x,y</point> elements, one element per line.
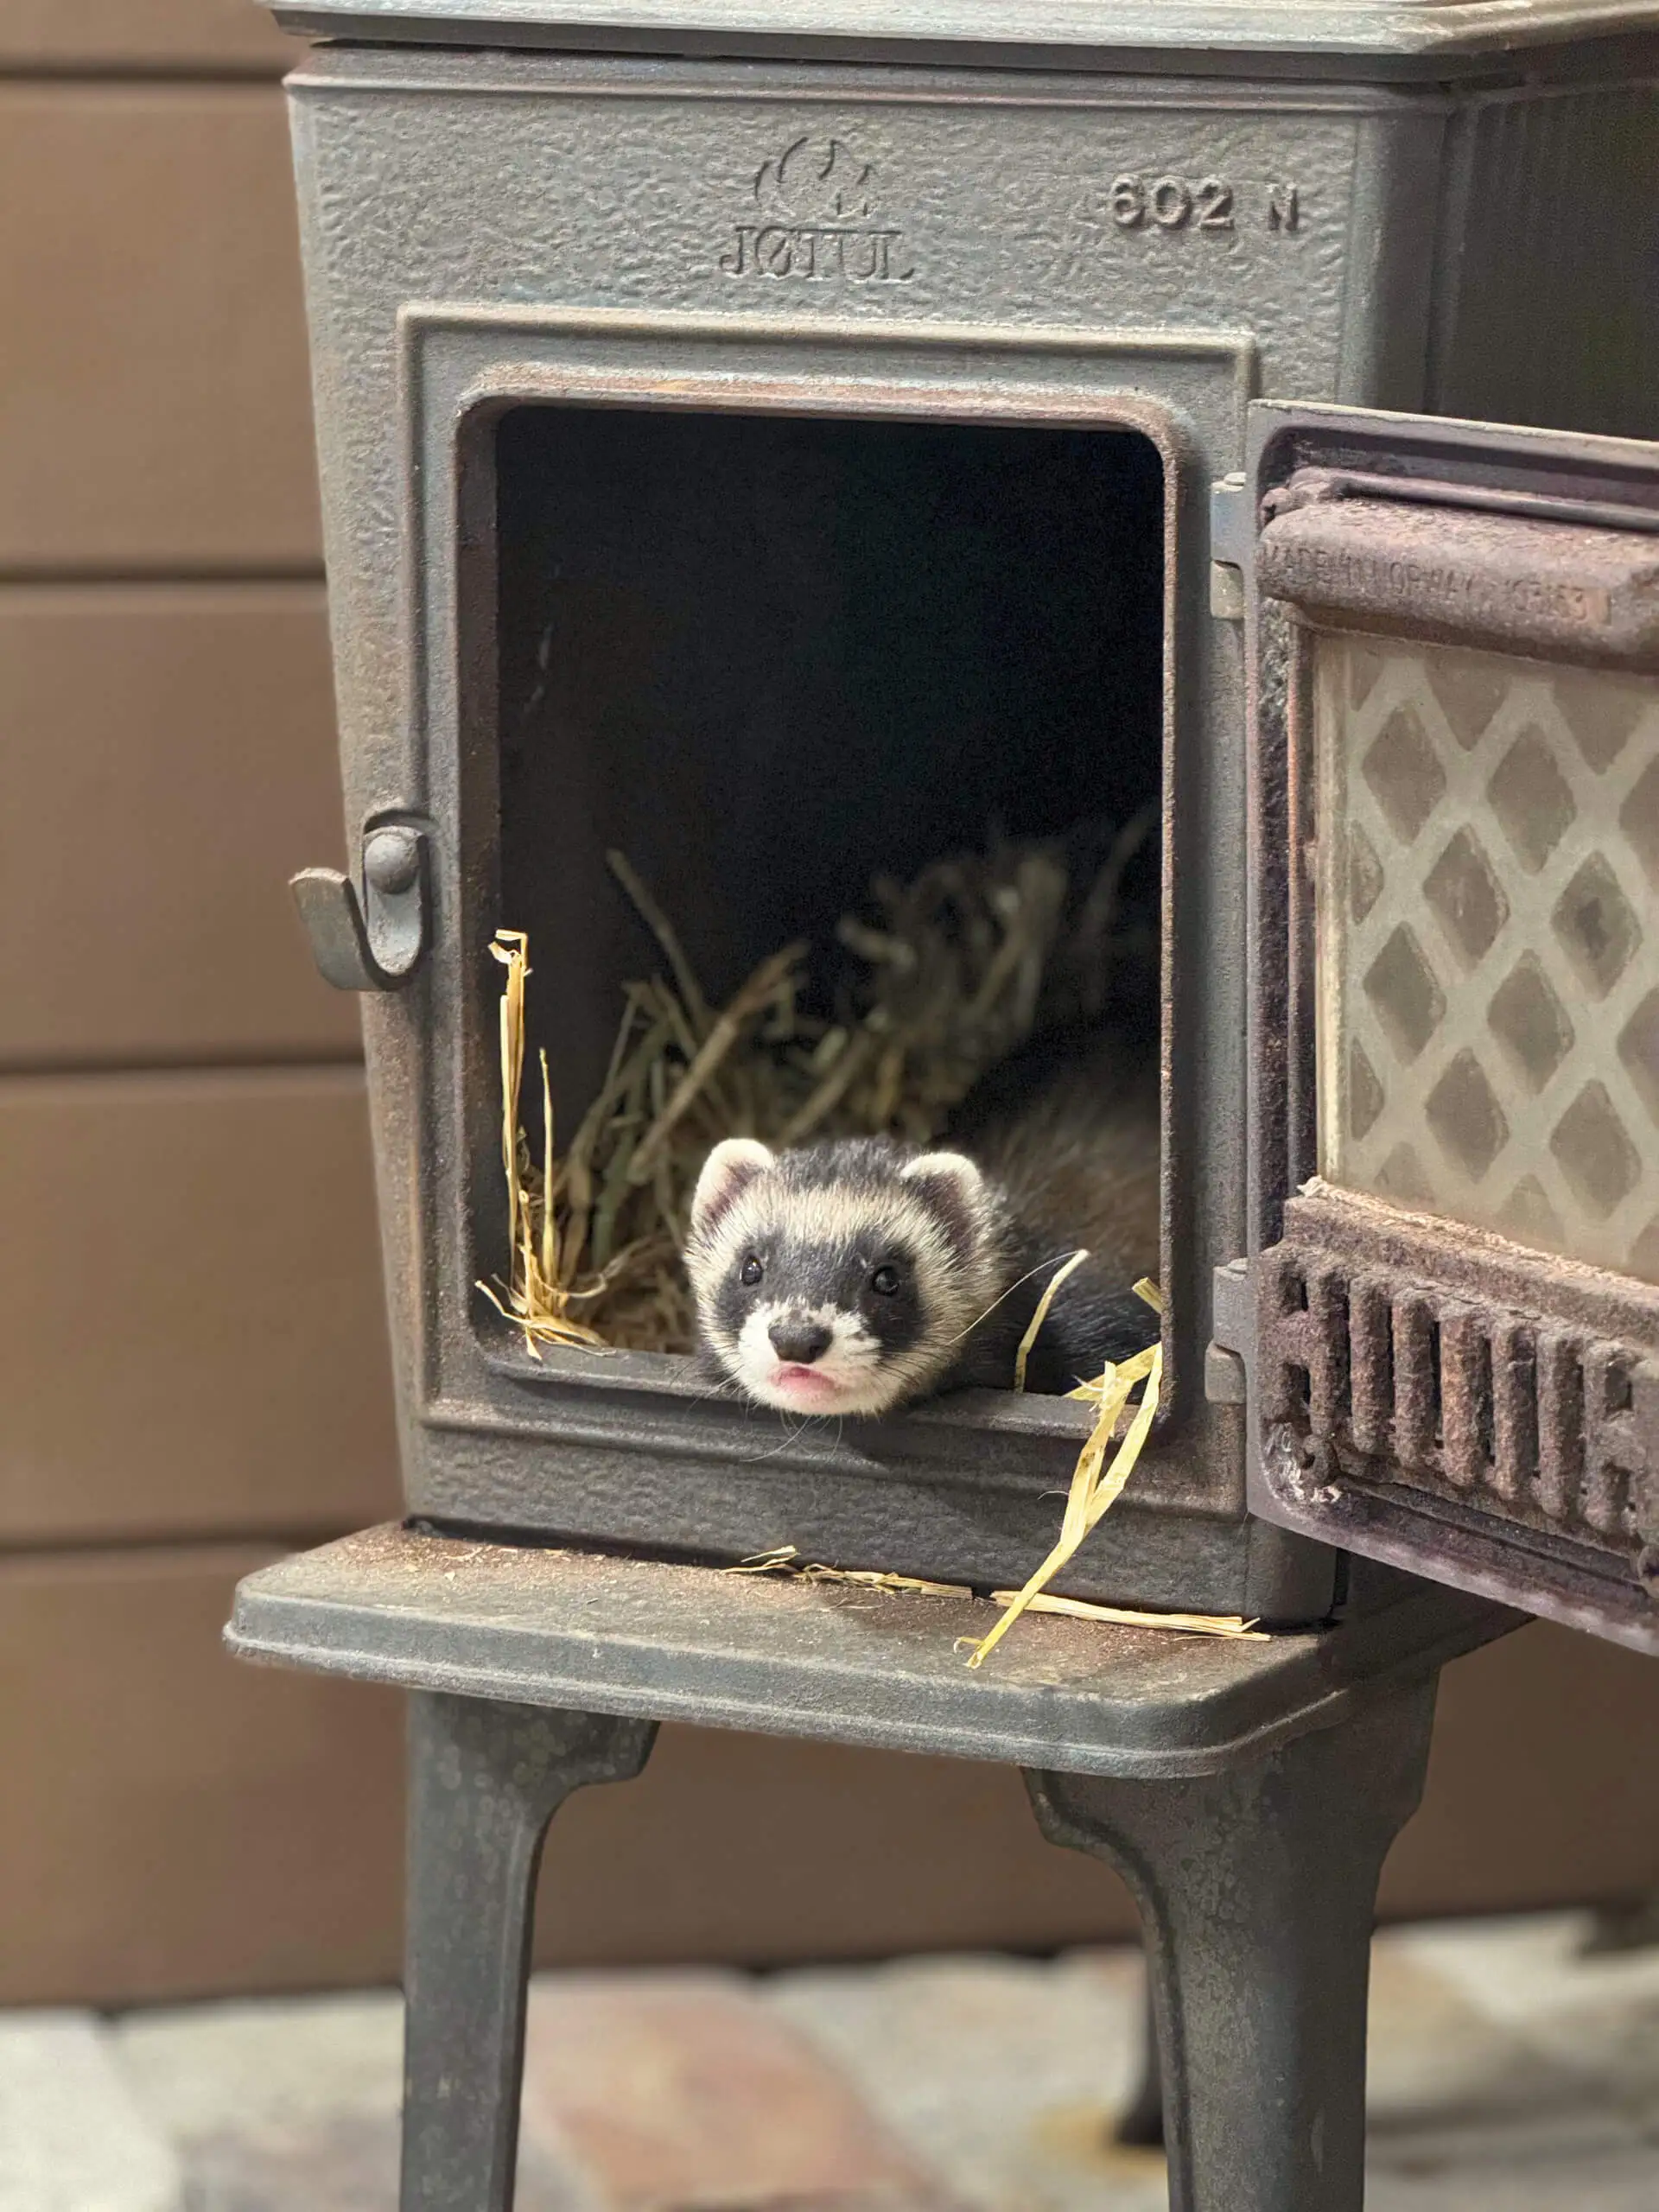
<point>773,440</point>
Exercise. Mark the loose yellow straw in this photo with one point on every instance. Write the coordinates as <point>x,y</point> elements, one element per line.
<point>1093,1493</point>
<point>1040,1316</point>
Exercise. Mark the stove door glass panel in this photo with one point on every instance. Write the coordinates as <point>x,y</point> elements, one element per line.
<point>1487,947</point>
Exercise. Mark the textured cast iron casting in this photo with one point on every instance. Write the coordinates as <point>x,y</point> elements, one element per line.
<point>1401,1378</point>
<point>1427,1392</point>
<point>533,1626</point>
<point>485,232</point>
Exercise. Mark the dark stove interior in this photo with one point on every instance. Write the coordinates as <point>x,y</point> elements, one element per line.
<point>768,657</point>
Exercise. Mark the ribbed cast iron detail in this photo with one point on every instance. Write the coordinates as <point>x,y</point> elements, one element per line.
<point>1524,1418</point>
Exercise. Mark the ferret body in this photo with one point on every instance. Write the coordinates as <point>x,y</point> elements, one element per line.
<point>855,1276</point>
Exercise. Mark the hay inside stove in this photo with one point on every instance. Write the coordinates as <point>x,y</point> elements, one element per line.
<point>930,989</point>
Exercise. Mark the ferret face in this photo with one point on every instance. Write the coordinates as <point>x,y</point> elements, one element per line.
<point>839,1279</point>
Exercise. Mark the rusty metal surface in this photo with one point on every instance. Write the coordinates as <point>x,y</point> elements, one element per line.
<point>1422,1390</point>
<point>1418,566</point>
<point>605,1634</point>
<point>1418,1357</point>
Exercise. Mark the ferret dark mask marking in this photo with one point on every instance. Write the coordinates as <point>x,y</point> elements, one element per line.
<point>823,1224</point>
<point>973,1251</point>
<point>833,1274</point>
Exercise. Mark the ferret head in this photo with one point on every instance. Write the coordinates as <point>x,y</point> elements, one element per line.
<point>840,1278</point>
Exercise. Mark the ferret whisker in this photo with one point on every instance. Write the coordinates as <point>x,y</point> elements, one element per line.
<point>790,1437</point>
<point>723,1387</point>
<point>1054,1261</point>
<point>760,1459</point>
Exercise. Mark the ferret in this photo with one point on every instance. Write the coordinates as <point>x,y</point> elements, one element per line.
<point>857,1275</point>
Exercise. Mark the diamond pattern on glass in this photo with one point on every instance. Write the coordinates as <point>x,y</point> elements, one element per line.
<point>1401,1177</point>
<point>1639,819</point>
<point>1530,1022</point>
<point>1595,927</point>
<point>1469,692</point>
<point>1465,894</point>
<point>1638,1048</point>
<point>1409,1003</point>
<point>1602,711</point>
<point>1528,1216</point>
<point>1366,1098</point>
<point>1364,874</point>
<point>1598,1158</point>
<point>1365,666</point>
<point>1532,799</point>
<point>1466,1117</point>
<point>1402,770</point>
<point>1489,974</point>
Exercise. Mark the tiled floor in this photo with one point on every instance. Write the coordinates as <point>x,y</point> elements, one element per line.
<point>1510,2072</point>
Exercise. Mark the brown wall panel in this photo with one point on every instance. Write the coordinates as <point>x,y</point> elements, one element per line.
<point>173,1821</point>
<point>142,35</point>
<point>170,762</point>
<point>1542,1786</point>
<point>191,1339</point>
<point>762,1850</point>
<point>153,404</point>
<point>176,1822</point>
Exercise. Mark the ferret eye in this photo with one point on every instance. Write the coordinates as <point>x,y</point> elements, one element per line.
<point>751,1271</point>
<point>885,1279</point>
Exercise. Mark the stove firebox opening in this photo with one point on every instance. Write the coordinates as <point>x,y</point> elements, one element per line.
<point>830,754</point>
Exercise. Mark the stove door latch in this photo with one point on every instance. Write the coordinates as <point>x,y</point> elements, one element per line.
<point>374,940</point>
<point>1232,546</point>
<point>1226,1376</point>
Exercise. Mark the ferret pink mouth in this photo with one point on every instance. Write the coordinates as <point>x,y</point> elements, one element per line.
<point>809,1384</point>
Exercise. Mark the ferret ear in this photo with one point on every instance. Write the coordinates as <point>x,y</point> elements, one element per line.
<point>726,1172</point>
<point>955,1187</point>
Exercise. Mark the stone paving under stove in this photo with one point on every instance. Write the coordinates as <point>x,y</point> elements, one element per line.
<point>1513,2070</point>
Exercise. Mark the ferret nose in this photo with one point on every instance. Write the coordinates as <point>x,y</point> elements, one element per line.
<point>799,1342</point>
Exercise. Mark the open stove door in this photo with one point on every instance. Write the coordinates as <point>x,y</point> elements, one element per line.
<point>1448,1322</point>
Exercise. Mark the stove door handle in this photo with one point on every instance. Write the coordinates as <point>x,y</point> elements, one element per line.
<point>374,941</point>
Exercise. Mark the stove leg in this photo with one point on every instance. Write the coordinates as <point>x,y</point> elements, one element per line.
<point>1140,2123</point>
<point>484,1781</point>
<point>1256,1888</point>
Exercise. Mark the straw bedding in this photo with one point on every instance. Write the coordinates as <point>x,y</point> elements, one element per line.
<point>929,987</point>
